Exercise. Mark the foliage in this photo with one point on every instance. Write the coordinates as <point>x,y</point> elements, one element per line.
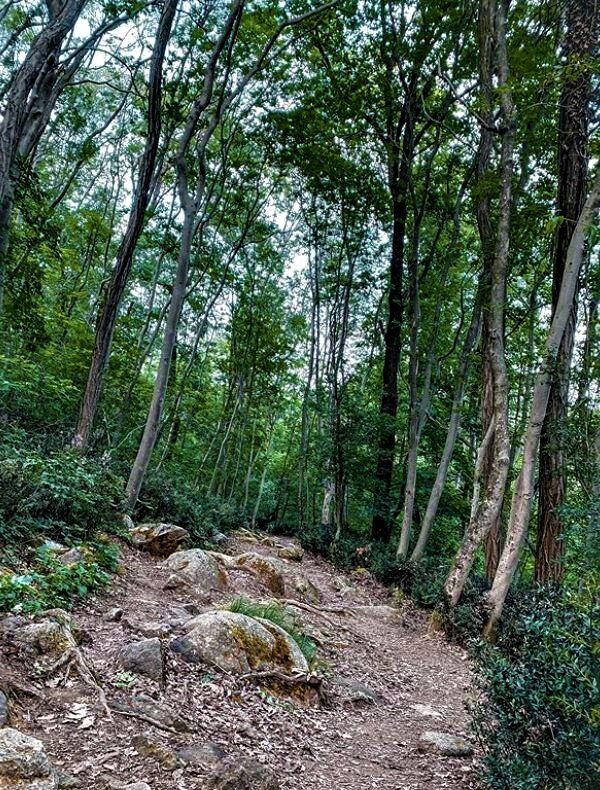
<point>538,715</point>
<point>165,499</point>
<point>280,616</point>
<point>59,495</point>
<point>47,583</point>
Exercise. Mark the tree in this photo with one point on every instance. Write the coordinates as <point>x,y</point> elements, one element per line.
<point>580,42</point>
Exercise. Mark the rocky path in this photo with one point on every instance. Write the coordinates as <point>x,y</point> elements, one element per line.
<point>186,725</point>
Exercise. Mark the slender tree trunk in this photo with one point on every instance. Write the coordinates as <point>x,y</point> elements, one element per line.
<point>523,495</point>
<point>489,508</point>
<point>452,434</point>
<point>148,441</point>
<point>381,528</point>
<point>580,41</point>
<point>107,314</point>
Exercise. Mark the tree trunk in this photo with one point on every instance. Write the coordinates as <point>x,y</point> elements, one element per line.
<point>487,511</point>
<point>451,436</point>
<point>523,495</point>
<point>582,24</point>
<point>41,58</point>
<point>108,311</point>
<point>148,441</point>
<point>382,522</point>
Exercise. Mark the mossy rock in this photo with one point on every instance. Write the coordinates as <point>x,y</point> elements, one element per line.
<point>238,643</point>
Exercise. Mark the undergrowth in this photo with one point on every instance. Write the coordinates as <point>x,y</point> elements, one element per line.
<point>46,583</point>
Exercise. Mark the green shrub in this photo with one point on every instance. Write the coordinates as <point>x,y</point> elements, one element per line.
<point>61,495</point>
<point>281,617</point>
<point>172,499</point>
<point>538,714</point>
<point>47,583</point>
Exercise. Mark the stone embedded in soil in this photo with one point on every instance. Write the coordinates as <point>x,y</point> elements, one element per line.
<point>307,590</point>
<point>4,709</point>
<point>426,710</point>
<point>150,629</point>
<point>218,538</point>
<point>445,743</point>
<point>147,747</point>
<point>269,570</point>
<point>24,763</point>
<point>114,615</point>
<point>66,780</point>
<point>202,754</point>
<point>138,786</point>
<point>49,633</point>
<point>197,568</point>
<point>145,658</point>
<point>354,691</point>
<point>294,553</point>
<point>237,643</point>
<point>242,774</point>
<point>71,557</point>
<point>161,540</point>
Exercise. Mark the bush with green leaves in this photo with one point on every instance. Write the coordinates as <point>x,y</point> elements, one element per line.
<point>59,495</point>
<point>46,583</point>
<point>281,617</point>
<point>170,498</point>
<point>538,713</point>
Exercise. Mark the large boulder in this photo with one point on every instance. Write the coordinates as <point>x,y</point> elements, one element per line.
<point>24,763</point>
<point>197,568</point>
<point>161,540</point>
<point>237,643</point>
<point>270,571</point>
<point>145,658</point>
<point>445,743</point>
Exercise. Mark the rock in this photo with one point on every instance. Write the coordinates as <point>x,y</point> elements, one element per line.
<point>52,545</point>
<point>242,774</point>
<point>24,763</point>
<point>138,786</point>
<point>218,538</point>
<point>113,615</point>
<point>238,643</point>
<point>153,709</point>
<point>269,570</point>
<point>158,539</point>
<point>445,743</point>
<point>198,568</point>
<point>150,629</point>
<point>51,633</point>
<point>294,553</point>
<point>426,710</point>
<point>307,590</point>
<point>71,557</point>
<point>191,608</point>
<point>285,646</point>
<point>356,692</point>
<point>145,658</point>
<point>205,754</point>
<point>66,780</point>
<point>4,709</point>
<point>150,748</point>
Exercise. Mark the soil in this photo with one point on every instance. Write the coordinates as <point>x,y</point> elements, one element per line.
<point>415,681</point>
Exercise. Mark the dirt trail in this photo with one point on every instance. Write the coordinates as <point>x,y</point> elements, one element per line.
<point>413,681</point>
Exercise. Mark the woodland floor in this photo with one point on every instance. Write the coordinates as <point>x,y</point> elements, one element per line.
<point>354,746</point>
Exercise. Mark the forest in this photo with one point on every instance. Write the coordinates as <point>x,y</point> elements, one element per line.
<point>328,271</point>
